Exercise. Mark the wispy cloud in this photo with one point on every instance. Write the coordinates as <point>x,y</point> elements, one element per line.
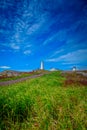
<point>28,46</point>
<point>5,67</point>
<point>59,51</point>
<point>79,56</point>
<point>27,52</point>
<point>14,46</point>
<point>34,28</point>
<point>59,36</point>
<point>48,40</point>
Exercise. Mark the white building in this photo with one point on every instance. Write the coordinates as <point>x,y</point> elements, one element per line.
<point>74,68</point>
<point>53,69</point>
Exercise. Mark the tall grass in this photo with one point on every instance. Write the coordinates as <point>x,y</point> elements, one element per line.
<point>43,104</point>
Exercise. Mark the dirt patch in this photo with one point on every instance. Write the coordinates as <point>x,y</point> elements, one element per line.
<point>6,83</point>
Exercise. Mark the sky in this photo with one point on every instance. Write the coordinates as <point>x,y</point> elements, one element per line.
<point>52,31</point>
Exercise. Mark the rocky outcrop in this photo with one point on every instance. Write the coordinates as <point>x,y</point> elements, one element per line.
<point>9,73</point>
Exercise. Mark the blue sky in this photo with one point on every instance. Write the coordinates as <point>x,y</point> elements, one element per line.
<point>53,31</point>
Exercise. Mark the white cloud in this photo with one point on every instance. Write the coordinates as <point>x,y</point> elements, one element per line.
<point>28,46</point>
<point>60,36</point>
<point>75,56</point>
<point>33,28</point>
<point>37,25</point>
<point>52,60</point>
<point>5,67</point>
<point>15,47</point>
<point>27,52</point>
<point>79,56</point>
<point>59,51</point>
<point>48,40</point>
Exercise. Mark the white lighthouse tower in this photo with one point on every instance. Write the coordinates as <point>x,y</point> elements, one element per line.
<point>42,65</point>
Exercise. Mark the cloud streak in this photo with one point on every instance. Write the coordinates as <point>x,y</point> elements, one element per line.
<point>75,57</point>
<point>14,46</point>
<point>5,67</point>
<point>27,52</point>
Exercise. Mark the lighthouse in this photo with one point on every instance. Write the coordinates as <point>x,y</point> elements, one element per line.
<point>42,65</point>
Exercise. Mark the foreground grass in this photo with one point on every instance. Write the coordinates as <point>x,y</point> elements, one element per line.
<point>43,104</point>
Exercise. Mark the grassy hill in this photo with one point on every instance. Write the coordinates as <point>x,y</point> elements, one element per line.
<point>44,103</point>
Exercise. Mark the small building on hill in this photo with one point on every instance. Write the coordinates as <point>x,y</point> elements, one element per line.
<point>74,68</point>
<point>53,69</point>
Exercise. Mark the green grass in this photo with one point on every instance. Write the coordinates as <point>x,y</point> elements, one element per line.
<point>43,104</point>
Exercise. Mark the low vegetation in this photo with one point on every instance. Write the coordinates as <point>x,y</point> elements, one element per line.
<point>75,78</point>
<point>5,77</point>
<point>43,103</point>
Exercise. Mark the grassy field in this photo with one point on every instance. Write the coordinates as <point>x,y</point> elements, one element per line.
<point>44,103</point>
